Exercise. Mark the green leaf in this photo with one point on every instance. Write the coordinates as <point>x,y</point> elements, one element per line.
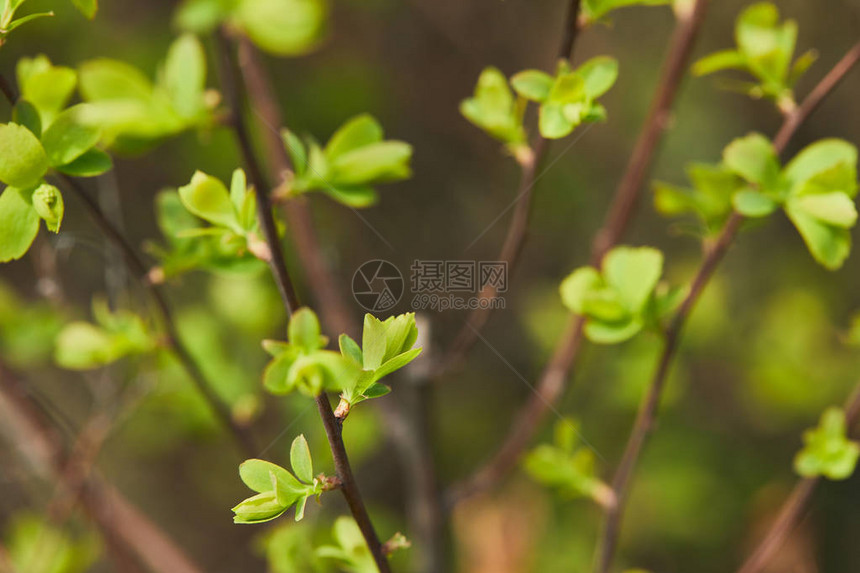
<point>376,390</point>
<point>259,509</point>
<point>83,346</point>
<point>300,459</point>
<point>283,27</point>
<point>185,75</point>
<point>296,149</point>
<point>820,157</point>
<point>48,203</point>
<point>552,121</point>
<point>276,374</point>
<point>25,113</point>
<point>598,74</point>
<point>383,161</point>
<point>596,9</point>
<point>612,332</point>
<point>46,86</point>
<point>106,79</point>
<point>750,203</point>
<point>19,225</point>
<point>577,286</point>
<point>828,244</point>
<point>834,208</point>
<point>718,61</point>
<point>87,7</point>
<point>633,273</point>
<point>209,199</point>
<point>93,162</point>
<point>24,19</point>
<point>533,85</point>
<point>304,331</point>
<point>492,108</point>
<point>300,508</point>
<point>358,132</point>
<point>767,45</point>
<point>349,349</point>
<point>257,475</point>
<point>753,158</point>
<point>355,197</point>
<point>396,363</point>
<point>22,159</point>
<point>67,138</point>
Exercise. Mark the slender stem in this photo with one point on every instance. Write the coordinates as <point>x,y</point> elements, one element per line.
<point>518,229</point>
<point>651,401</point>
<point>552,382</point>
<point>334,312</point>
<point>795,505</point>
<point>135,263</point>
<point>119,522</point>
<point>233,90</point>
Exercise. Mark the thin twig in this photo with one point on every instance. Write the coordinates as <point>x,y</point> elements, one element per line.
<point>518,229</point>
<point>189,364</point>
<point>795,505</point>
<point>651,401</point>
<point>117,519</point>
<point>552,382</point>
<point>233,91</point>
<point>135,263</point>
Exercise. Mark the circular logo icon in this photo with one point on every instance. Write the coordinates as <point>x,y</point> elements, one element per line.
<point>377,285</point>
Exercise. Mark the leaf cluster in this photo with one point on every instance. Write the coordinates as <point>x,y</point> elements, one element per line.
<point>827,451</point>
<point>354,160</point>
<point>278,489</point>
<point>765,48</point>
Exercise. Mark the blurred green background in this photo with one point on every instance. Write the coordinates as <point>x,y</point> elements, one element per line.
<point>762,358</point>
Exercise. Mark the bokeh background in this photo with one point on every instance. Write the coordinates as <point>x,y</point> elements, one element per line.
<point>764,355</point>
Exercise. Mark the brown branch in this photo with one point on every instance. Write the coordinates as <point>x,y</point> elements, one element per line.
<point>518,229</point>
<point>715,252</point>
<point>234,92</point>
<point>795,505</point>
<point>119,521</point>
<point>552,382</point>
<point>334,312</point>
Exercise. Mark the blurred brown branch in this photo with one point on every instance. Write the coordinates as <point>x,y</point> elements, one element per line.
<point>714,254</point>
<point>233,89</point>
<point>120,523</point>
<point>552,382</point>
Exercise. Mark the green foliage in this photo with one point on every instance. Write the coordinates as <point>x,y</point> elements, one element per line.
<point>765,48</point>
<point>350,552</point>
<point>113,335</point>
<point>192,246</point>
<point>597,9</point>
<point>621,300</point>
<point>230,242</point>
<point>827,451</point>
<point>302,363</point>
<point>277,489</point>
<point>567,467</point>
<point>816,190</point>
<point>494,109</point>
<point>289,548</point>
<point>710,197</point>
<point>42,136</point>
<point>36,546</point>
<point>27,329</point>
<point>355,159</point>
<point>131,111</point>
<point>281,27</point>
<point>569,98</point>
<point>386,346</point>
<point>9,22</point>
